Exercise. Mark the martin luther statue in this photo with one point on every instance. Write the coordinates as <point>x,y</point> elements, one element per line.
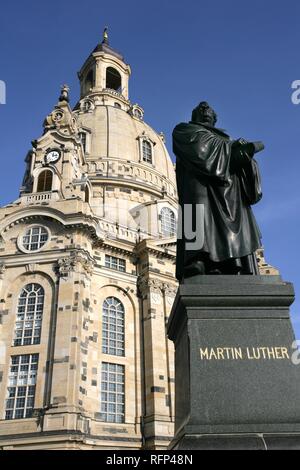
<point>218,180</point>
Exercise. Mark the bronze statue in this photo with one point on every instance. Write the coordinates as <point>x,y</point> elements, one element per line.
<point>218,180</point>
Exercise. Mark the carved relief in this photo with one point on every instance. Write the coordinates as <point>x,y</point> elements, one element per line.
<point>87,105</point>
<point>154,286</point>
<point>65,266</point>
<point>62,118</point>
<point>31,267</point>
<point>169,289</point>
<point>68,265</point>
<point>57,116</point>
<point>170,293</point>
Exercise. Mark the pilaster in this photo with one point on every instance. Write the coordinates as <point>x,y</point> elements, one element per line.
<point>157,364</point>
<point>71,342</point>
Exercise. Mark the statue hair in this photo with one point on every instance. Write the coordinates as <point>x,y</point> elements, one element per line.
<point>196,111</point>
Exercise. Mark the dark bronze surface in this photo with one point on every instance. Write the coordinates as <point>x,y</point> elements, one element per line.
<point>223,177</point>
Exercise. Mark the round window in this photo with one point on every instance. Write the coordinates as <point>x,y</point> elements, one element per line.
<point>35,238</point>
<point>137,113</point>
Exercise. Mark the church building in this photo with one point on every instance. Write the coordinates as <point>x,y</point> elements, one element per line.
<point>87,276</point>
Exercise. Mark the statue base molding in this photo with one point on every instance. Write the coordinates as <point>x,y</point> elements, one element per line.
<point>237,385</point>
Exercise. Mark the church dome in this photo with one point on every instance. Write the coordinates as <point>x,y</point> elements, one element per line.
<point>127,161</point>
<point>116,135</point>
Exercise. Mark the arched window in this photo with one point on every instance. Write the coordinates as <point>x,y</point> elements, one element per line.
<point>147,151</point>
<point>86,194</point>
<point>89,81</point>
<point>137,113</point>
<point>113,79</point>
<point>82,136</point>
<point>113,333</point>
<point>29,315</point>
<point>168,222</point>
<point>45,181</point>
<point>117,105</point>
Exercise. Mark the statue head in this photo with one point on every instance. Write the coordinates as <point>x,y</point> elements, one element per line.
<point>204,113</point>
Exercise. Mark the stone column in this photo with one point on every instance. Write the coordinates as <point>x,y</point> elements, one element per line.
<point>100,75</point>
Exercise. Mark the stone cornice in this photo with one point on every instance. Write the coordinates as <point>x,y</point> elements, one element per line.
<point>156,248</point>
<point>73,220</point>
<point>44,257</point>
<point>131,183</point>
<point>136,250</point>
<point>131,170</point>
<point>117,248</point>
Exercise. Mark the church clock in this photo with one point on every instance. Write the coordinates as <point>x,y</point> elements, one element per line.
<point>52,156</point>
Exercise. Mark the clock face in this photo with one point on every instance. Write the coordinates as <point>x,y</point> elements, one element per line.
<point>52,156</point>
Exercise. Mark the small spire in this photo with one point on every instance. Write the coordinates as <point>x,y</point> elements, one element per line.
<point>64,95</point>
<point>105,35</point>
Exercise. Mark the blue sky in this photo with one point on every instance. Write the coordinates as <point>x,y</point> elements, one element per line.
<point>239,56</point>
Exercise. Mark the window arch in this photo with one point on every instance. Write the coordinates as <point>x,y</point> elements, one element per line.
<point>113,79</point>
<point>168,222</point>
<point>147,151</point>
<point>113,331</point>
<point>45,181</point>
<point>29,315</point>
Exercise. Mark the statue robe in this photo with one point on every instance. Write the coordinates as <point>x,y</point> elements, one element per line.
<point>226,181</point>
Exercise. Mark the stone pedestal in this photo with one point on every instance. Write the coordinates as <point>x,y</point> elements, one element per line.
<point>236,386</point>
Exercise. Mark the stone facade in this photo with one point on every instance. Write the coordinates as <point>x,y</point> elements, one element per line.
<point>90,225</point>
<point>108,179</point>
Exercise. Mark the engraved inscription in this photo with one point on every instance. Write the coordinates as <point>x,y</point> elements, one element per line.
<point>248,353</point>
